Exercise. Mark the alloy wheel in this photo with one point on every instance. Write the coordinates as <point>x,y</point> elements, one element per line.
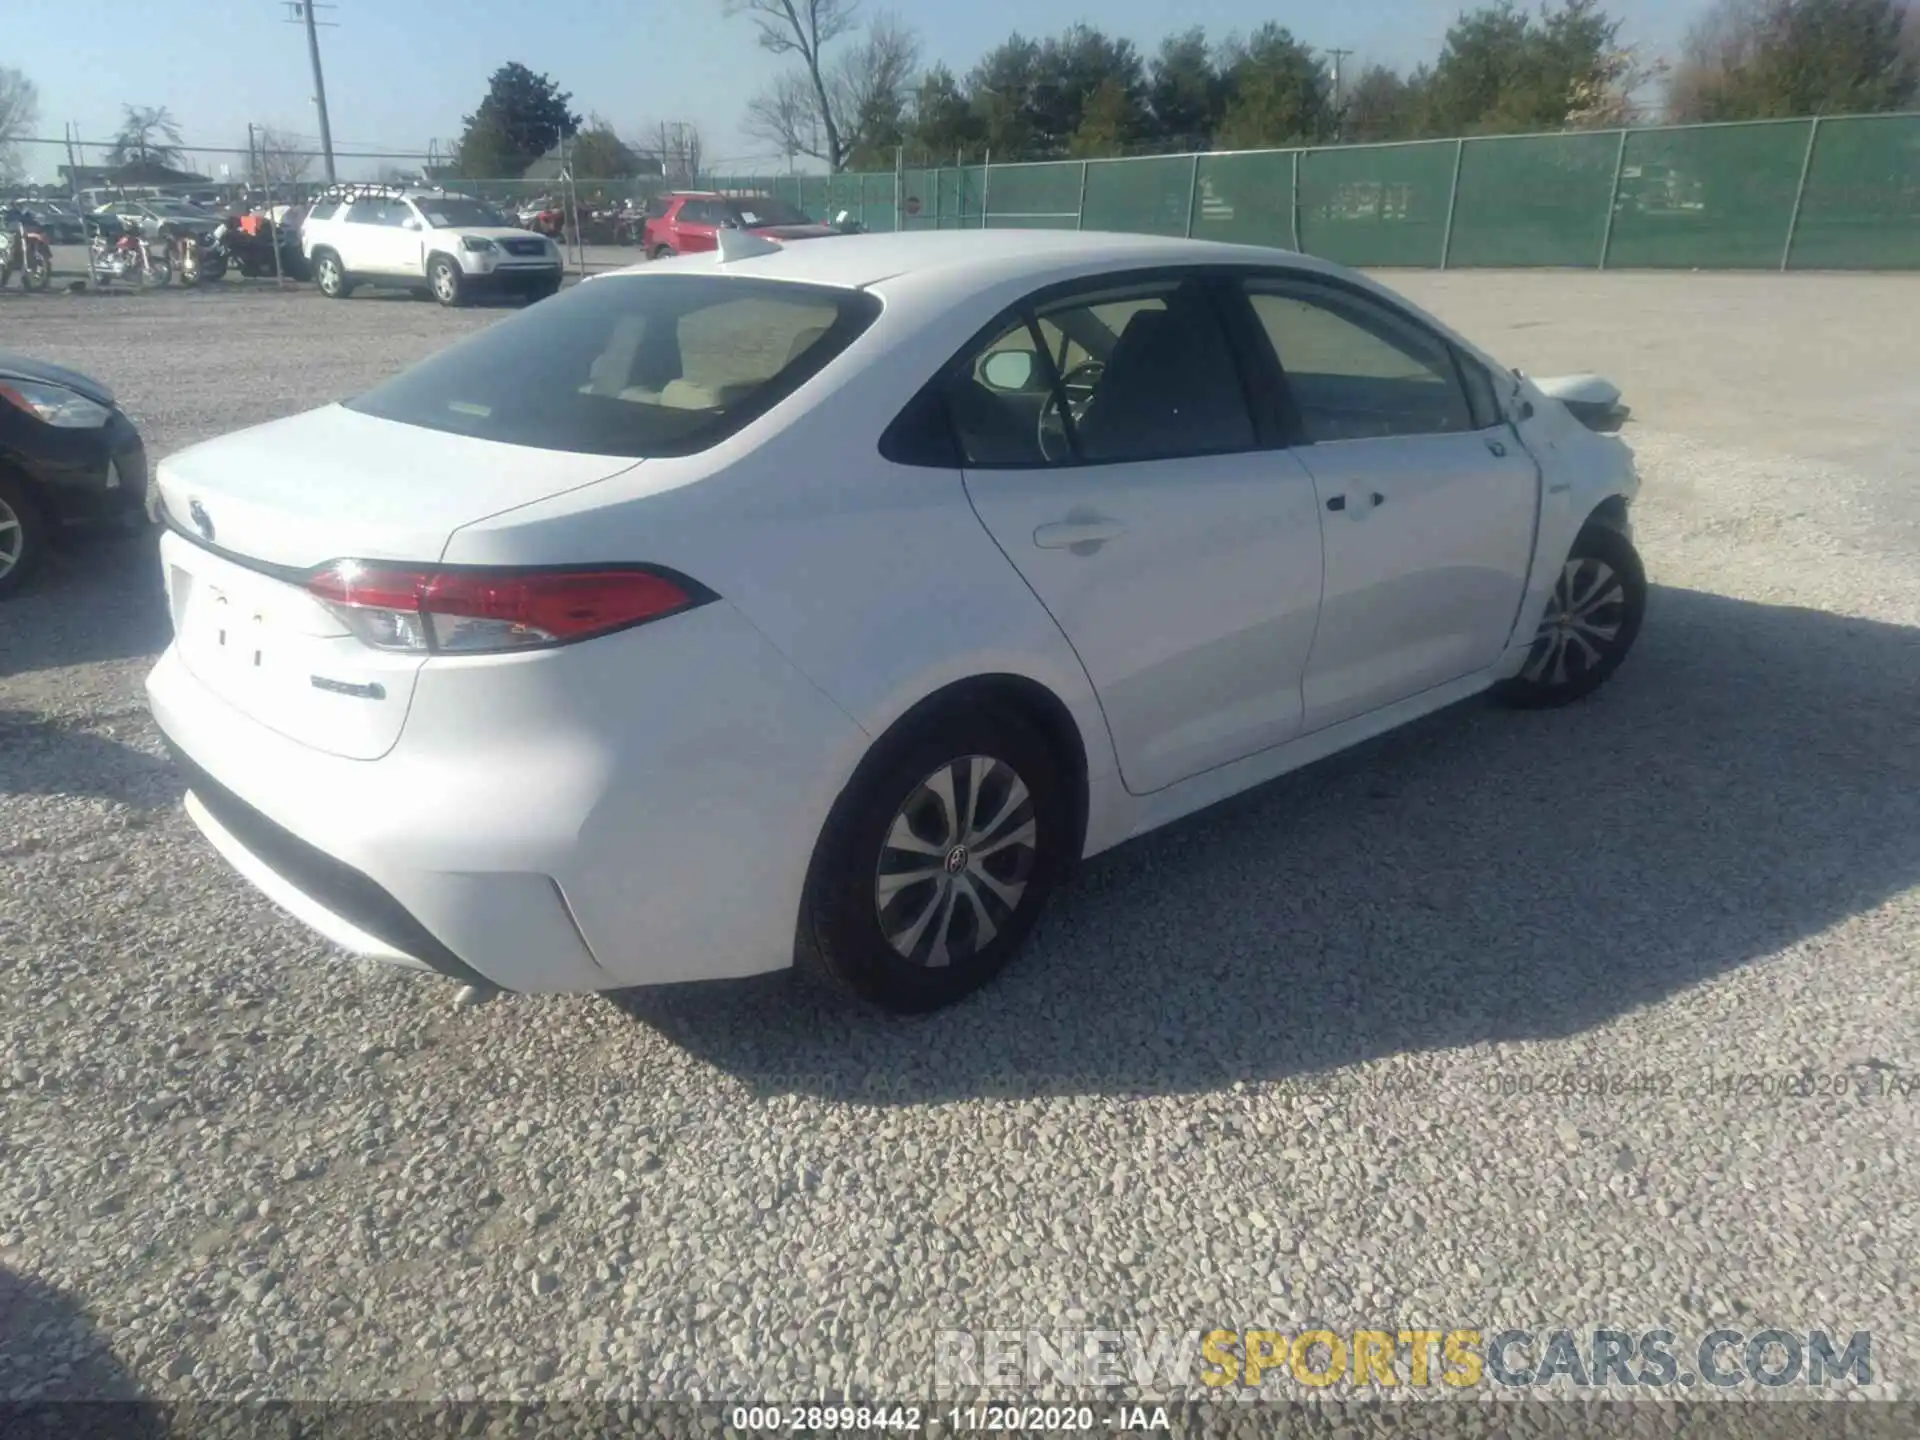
<point>1581,625</point>
<point>13,539</point>
<point>956,861</point>
<point>445,285</point>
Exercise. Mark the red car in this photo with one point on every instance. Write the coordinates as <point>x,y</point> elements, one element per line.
<point>689,220</point>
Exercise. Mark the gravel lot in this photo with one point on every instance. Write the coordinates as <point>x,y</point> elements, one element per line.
<point>1241,1080</point>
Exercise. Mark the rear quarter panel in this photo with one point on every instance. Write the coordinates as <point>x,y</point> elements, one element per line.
<point>876,580</point>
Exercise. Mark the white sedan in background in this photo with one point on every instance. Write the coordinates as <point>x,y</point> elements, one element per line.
<point>829,603</point>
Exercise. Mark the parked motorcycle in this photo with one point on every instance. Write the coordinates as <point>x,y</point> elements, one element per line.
<point>26,250</point>
<point>251,247</point>
<point>845,224</point>
<point>193,256</point>
<point>119,251</point>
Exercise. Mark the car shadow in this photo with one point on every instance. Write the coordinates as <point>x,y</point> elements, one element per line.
<point>52,1359</point>
<point>40,755</point>
<point>1748,779</point>
<point>100,597</point>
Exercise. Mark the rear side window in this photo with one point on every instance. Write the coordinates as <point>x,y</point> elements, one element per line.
<point>657,207</point>
<point>323,210</point>
<point>633,365</point>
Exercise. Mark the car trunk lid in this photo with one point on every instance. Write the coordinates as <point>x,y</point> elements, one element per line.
<point>256,511</point>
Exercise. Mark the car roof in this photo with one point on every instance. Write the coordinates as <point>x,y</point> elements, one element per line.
<point>976,258</point>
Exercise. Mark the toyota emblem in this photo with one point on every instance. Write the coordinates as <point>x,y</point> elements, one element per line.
<point>202,521</point>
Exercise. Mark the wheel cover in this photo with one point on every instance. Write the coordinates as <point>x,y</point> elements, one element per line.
<point>329,274</point>
<point>1582,624</point>
<point>956,861</point>
<point>13,539</point>
<point>443,281</point>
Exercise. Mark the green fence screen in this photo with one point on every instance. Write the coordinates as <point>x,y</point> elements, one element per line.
<point>1861,208</point>
<point>1840,193</point>
<point>1541,200</point>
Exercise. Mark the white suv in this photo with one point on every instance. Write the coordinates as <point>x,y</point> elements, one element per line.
<point>451,245</point>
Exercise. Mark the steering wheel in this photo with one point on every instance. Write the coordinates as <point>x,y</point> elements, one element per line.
<point>1080,384</point>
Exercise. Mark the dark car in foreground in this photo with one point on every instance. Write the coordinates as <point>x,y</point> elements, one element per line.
<point>69,456</point>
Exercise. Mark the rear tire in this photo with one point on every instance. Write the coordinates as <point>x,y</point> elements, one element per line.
<point>1591,621</point>
<point>660,252</point>
<point>936,861</point>
<point>39,272</point>
<point>23,536</point>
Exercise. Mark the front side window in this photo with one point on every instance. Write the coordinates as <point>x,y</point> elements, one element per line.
<point>630,365</point>
<point>1130,375</point>
<point>1356,369</point>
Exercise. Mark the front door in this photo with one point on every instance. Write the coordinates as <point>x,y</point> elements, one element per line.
<point>1179,556</point>
<point>1428,501</point>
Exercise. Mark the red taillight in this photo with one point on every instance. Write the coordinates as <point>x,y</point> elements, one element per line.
<point>471,611</point>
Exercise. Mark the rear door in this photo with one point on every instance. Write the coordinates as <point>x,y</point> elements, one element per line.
<point>1428,500</point>
<point>1178,552</point>
<point>695,226</point>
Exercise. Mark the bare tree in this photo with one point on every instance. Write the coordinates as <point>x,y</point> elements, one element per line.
<point>803,28</point>
<point>1763,59</point>
<point>786,116</point>
<point>872,89</point>
<point>19,113</point>
<point>280,159</point>
<point>149,135</point>
<point>858,111</point>
<point>1609,98</point>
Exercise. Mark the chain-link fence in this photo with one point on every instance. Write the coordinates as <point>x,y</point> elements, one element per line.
<point>1831,193</point>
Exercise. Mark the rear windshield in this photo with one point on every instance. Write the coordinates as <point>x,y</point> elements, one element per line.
<point>454,211</point>
<point>636,365</point>
<point>765,210</point>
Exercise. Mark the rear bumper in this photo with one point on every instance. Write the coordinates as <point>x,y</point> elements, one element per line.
<point>592,822</point>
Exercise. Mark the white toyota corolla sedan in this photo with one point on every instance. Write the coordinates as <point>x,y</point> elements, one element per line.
<point>829,603</point>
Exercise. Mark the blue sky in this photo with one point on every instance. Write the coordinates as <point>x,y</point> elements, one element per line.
<point>403,72</point>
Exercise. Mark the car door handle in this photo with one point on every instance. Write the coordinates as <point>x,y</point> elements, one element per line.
<point>1372,499</point>
<point>1068,534</point>
<point>1498,447</point>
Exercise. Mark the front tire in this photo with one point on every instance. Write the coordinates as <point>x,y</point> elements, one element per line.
<point>23,537</point>
<point>1591,621</point>
<point>39,272</point>
<point>446,281</point>
<point>937,861</point>
<point>330,276</point>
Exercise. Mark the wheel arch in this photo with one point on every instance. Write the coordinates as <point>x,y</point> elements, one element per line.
<point>1019,695</point>
<point>1610,512</point>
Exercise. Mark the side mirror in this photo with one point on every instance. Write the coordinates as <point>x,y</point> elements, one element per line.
<point>410,223</point>
<point>1008,370</point>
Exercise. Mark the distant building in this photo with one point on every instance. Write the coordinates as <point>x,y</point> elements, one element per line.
<point>548,168</point>
<point>136,172</point>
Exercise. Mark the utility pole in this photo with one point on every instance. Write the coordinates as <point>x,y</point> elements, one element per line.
<point>73,165</point>
<point>302,12</point>
<point>252,169</point>
<point>1338,56</point>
